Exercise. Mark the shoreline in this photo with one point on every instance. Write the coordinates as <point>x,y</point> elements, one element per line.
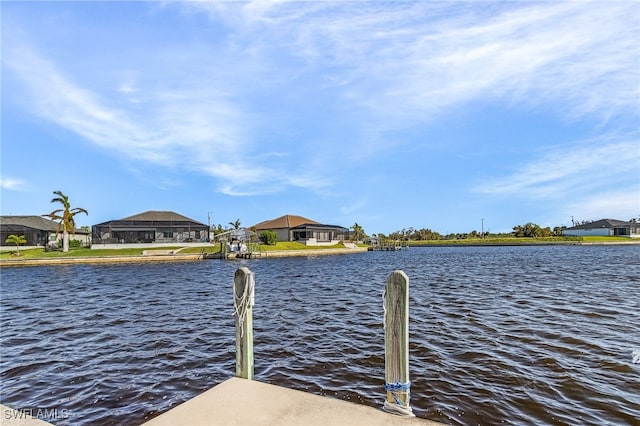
<point>167,257</point>
<point>541,243</point>
<point>177,257</point>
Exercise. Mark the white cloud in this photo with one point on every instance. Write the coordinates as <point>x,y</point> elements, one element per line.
<point>195,128</point>
<point>570,171</point>
<point>384,62</point>
<point>414,59</point>
<point>621,205</point>
<point>13,184</point>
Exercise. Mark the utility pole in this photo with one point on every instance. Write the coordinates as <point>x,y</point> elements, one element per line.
<point>482,220</point>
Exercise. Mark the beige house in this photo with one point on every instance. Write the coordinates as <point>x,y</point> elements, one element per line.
<point>303,230</point>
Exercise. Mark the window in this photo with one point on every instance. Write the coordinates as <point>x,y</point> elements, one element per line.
<point>167,233</point>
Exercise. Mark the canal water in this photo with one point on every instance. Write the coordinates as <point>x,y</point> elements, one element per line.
<point>514,335</point>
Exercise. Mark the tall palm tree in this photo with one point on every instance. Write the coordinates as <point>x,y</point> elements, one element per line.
<point>236,224</point>
<point>17,240</point>
<point>65,216</point>
<point>358,232</point>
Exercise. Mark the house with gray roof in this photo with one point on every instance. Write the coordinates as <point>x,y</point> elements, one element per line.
<point>307,231</point>
<point>37,230</point>
<point>151,227</point>
<point>605,227</point>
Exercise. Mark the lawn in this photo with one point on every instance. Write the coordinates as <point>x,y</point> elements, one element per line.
<point>597,239</point>
<point>40,253</point>
<point>499,241</point>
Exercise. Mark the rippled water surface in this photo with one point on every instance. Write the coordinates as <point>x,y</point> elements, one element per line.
<point>516,335</point>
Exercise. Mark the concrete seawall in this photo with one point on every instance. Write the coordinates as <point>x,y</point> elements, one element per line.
<point>240,402</point>
<point>312,252</point>
<point>164,257</point>
<point>100,259</point>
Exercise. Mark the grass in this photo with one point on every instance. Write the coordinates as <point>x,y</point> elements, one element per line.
<point>499,241</point>
<point>597,239</point>
<point>40,253</point>
<point>521,241</point>
<point>290,245</point>
<point>282,245</point>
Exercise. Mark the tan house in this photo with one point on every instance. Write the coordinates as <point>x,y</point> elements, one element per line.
<point>300,229</point>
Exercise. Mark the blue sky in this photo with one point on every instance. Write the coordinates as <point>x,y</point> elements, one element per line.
<point>441,115</point>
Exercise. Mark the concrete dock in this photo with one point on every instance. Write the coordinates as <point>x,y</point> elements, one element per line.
<point>241,402</point>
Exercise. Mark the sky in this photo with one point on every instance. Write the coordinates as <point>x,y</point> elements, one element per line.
<point>453,116</point>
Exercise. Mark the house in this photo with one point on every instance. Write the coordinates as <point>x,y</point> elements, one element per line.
<point>301,229</point>
<point>151,227</point>
<point>37,230</point>
<point>605,227</point>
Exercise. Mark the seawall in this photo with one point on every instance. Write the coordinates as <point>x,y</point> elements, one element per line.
<point>163,257</point>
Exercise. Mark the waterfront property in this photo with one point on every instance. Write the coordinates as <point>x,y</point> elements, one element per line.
<point>164,332</point>
<point>605,227</point>
<point>37,230</point>
<point>151,227</point>
<point>303,230</point>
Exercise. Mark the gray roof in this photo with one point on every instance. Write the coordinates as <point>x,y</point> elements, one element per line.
<point>156,216</point>
<point>35,222</point>
<point>603,223</point>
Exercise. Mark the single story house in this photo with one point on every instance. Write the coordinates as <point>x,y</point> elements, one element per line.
<point>37,230</point>
<point>300,229</point>
<point>605,227</point>
<point>151,227</point>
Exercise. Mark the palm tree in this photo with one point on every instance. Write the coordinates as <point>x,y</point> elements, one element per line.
<point>236,224</point>
<point>65,216</point>
<point>358,232</point>
<point>17,240</point>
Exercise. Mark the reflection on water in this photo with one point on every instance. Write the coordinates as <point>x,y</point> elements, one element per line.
<point>517,335</point>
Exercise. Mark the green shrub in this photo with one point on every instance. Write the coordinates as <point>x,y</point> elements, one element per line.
<point>269,237</point>
<point>75,244</point>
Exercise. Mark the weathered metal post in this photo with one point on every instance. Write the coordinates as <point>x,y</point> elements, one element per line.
<point>396,344</point>
<point>243,300</point>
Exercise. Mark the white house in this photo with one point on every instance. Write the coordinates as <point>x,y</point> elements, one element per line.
<point>605,227</point>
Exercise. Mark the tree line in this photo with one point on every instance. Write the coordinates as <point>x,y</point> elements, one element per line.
<point>528,230</point>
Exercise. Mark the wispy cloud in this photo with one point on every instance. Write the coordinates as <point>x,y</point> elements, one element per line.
<point>387,64</point>
<point>422,57</point>
<point>622,205</point>
<point>580,169</point>
<point>194,127</point>
<point>13,184</point>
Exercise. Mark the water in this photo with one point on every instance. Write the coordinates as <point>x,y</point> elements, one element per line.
<point>515,335</point>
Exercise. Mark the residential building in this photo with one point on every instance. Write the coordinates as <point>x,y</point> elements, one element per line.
<point>37,230</point>
<point>301,229</point>
<point>151,227</point>
<point>605,227</point>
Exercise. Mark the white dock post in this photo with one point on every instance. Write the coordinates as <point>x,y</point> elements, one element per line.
<point>396,345</point>
<point>243,301</point>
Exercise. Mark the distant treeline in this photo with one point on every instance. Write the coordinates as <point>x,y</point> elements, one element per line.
<point>529,230</point>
